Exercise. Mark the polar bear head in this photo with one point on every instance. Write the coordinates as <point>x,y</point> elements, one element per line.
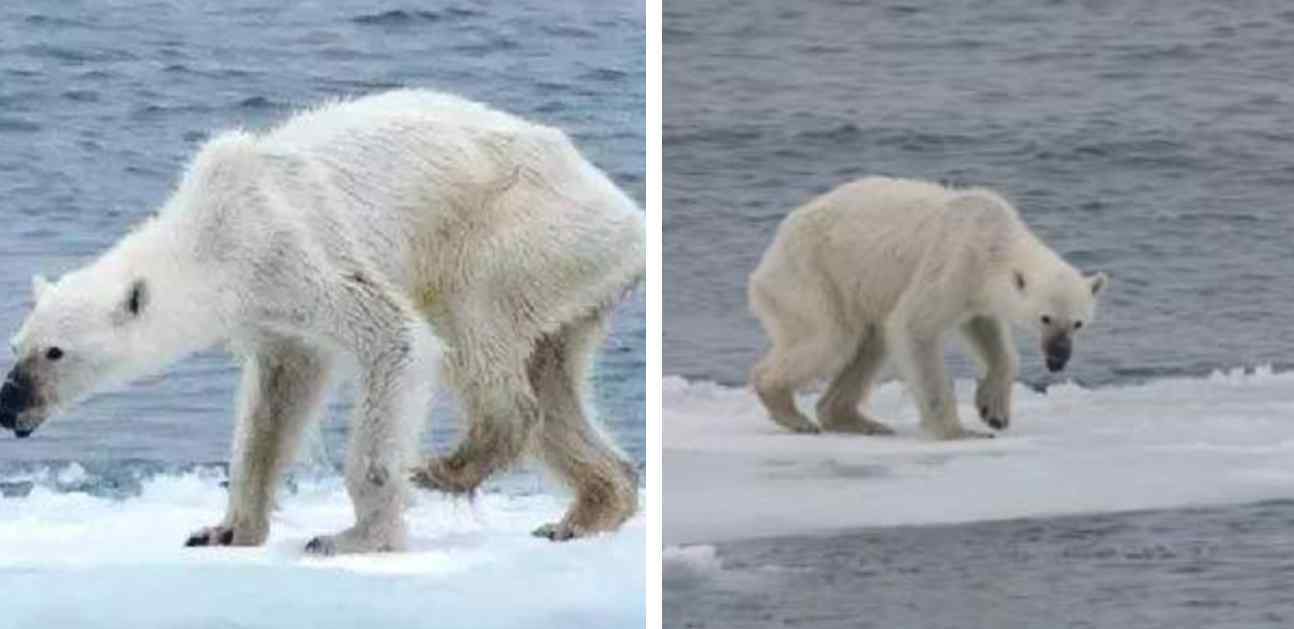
<point>83,334</point>
<point>1058,304</point>
<point>80,335</point>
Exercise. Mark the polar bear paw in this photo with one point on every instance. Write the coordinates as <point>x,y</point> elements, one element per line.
<point>558,532</point>
<point>452,475</point>
<point>593,513</point>
<point>955,432</point>
<point>354,540</point>
<point>993,401</point>
<point>226,535</point>
<point>852,422</point>
<point>795,422</point>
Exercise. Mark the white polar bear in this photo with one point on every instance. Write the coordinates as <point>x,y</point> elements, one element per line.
<point>884,267</point>
<point>399,231</point>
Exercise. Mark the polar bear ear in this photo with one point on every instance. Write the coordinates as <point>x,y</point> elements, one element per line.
<point>136,299</point>
<point>1097,282</point>
<point>1019,280</point>
<point>38,286</point>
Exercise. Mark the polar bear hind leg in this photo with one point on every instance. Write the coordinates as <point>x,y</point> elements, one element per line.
<point>806,345</point>
<point>572,446</point>
<point>838,408</point>
<point>501,413</point>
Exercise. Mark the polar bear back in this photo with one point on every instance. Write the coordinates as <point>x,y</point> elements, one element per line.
<point>320,126</point>
<point>472,213</point>
<point>887,235</point>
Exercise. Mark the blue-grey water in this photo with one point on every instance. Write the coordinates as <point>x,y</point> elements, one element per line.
<point>1151,140</point>
<point>1219,568</point>
<point>1154,141</point>
<point>101,104</point>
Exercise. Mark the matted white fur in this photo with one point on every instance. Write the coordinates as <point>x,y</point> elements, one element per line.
<point>405,231</point>
<point>883,268</point>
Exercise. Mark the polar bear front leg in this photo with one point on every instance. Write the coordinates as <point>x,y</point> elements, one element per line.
<point>990,342</point>
<point>920,360</point>
<point>383,438</point>
<point>282,391</point>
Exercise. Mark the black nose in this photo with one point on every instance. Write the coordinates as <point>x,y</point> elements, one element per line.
<point>1057,349</point>
<point>15,396</point>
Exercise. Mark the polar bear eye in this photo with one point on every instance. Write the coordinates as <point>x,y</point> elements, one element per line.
<point>54,353</point>
<point>1046,320</point>
<point>1078,324</point>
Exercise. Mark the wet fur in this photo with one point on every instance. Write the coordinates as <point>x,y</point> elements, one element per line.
<point>413,233</point>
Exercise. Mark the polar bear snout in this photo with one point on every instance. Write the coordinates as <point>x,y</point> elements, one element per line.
<point>18,400</point>
<point>15,396</point>
<point>1057,350</point>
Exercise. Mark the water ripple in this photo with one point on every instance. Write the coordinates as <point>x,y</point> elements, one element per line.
<point>399,17</point>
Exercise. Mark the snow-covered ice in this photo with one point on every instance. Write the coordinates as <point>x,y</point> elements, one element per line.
<point>730,473</point>
<point>71,559</point>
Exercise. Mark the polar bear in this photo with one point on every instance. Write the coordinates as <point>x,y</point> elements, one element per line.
<point>883,267</point>
<point>396,233</point>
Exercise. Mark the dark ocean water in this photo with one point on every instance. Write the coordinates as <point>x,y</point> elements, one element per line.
<point>1151,140</point>
<point>100,106</point>
<point>1177,569</point>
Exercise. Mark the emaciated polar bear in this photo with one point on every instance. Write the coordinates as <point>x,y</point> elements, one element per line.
<point>885,267</point>
<point>399,232</point>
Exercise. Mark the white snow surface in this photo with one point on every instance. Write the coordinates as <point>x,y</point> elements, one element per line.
<point>730,473</point>
<point>75,560</point>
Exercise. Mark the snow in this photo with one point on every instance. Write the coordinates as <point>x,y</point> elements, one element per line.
<point>730,473</point>
<point>71,559</point>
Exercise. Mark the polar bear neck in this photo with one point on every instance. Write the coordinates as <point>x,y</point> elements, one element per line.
<point>1023,256</point>
<point>1026,249</point>
<point>185,310</point>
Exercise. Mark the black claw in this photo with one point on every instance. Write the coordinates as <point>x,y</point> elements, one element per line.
<point>554,533</point>
<point>318,546</point>
<point>208,538</point>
